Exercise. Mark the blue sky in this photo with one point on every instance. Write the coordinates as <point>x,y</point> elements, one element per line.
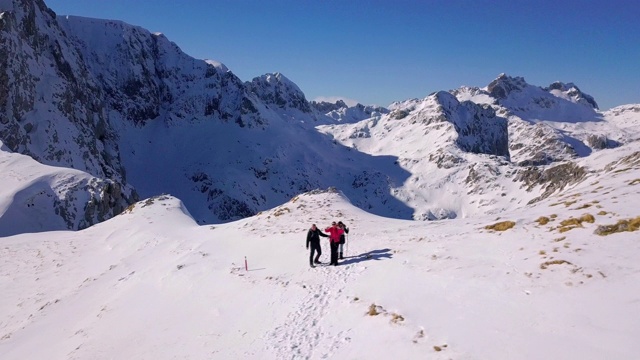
<point>377,52</point>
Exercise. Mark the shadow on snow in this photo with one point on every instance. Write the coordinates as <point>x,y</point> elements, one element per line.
<point>370,255</point>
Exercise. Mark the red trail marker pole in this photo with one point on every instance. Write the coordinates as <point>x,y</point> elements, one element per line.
<point>246,267</point>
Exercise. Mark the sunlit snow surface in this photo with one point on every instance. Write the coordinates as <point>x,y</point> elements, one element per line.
<point>152,284</point>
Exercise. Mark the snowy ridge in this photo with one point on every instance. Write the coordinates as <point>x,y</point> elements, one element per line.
<point>276,89</point>
<point>406,288</point>
<point>436,138</point>
<point>341,112</point>
<point>627,118</point>
<point>439,139</point>
<point>36,197</point>
<point>53,114</point>
<point>537,186</point>
<point>152,105</point>
<point>148,77</point>
<point>121,103</point>
<point>572,93</point>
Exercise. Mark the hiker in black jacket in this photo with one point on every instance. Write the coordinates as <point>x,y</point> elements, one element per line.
<point>313,238</point>
<point>344,227</point>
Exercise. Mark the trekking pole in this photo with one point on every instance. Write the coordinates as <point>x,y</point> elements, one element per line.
<point>347,252</point>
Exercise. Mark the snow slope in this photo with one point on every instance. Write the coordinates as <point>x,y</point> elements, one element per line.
<point>341,112</point>
<point>109,99</point>
<point>124,104</point>
<point>152,284</point>
<point>119,102</point>
<point>36,197</point>
<point>469,150</point>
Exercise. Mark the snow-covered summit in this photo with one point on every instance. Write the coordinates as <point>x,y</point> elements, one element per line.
<point>546,124</point>
<point>218,65</point>
<point>572,93</point>
<point>458,144</point>
<point>559,102</point>
<point>121,103</point>
<point>341,112</point>
<point>277,90</point>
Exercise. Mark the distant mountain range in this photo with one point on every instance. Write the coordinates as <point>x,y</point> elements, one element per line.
<point>138,117</point>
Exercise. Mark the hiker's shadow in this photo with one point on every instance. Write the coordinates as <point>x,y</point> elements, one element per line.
<point>371,255</point>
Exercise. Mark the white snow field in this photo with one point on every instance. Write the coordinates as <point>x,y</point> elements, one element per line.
<point>531,252</point>
<point>153,284</point>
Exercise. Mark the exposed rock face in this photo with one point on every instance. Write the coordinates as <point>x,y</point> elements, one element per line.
<point>327,107</point>
<point>573,92</point>
<point>552,179</point>
<point>52,109</point>
<point>537,144</point>
<point>476,128</point>
<point>532,110</point>
<point>107,200</point>
<point>597,141</point>
<point>146,77</point>
<point>277,90</point>
<point>479,130</point>
<point>53,103</point>
<point>628,162</point>
<point>341,112</point>
<point>504,85</point>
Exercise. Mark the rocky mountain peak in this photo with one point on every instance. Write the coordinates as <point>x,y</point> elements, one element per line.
<point>571,91</point>
<point>503,85</point>
<point>216,64</point>
<point>341,112</point>
<point>325,107</point>
<point>276,89</point>
<point>25,6</point>
<point>470,127</point>
<point>479,130</point>
<point>445,99</point>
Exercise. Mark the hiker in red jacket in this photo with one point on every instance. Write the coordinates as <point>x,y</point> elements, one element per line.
<point>334,240</point>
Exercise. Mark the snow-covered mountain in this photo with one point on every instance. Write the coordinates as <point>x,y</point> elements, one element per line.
<point>565,120</point>
<point>120,103</point>
<point>537,185</point>
<point>341,112</point>
<point>52,109</point>
<point>36,197</point>
<point>556,279</point>
<point>457,145</point>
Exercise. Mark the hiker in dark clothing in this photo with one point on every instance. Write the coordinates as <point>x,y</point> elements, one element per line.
<point>344,227</point>
<point>313,239</point>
